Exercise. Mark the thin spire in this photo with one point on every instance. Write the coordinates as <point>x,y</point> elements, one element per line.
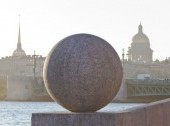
<point>140,28</point>
<point>19,51</point>
<point>19,36</point>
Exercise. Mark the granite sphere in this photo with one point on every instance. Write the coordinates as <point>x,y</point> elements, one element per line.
<point>83,73</point>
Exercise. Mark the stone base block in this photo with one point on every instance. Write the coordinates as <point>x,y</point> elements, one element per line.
<point>73,119</point>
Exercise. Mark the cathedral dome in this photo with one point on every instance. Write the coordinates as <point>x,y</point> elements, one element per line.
<point>140,37</point>
<point>140,47</point>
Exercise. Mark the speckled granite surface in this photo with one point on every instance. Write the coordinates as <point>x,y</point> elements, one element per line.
<point>83,73</point>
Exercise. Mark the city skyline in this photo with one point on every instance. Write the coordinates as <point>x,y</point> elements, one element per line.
<point>45,22</point>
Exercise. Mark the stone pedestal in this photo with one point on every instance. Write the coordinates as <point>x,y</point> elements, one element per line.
<point>73,119</point>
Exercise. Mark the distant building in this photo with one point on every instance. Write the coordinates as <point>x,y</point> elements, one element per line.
<point>140,61</point>
<point>23,74</point>
<point>140,67</point>
<point>20,63</point>
<point>140,48</point>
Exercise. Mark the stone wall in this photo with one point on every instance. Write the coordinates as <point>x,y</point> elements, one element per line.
<point>153,114</point>
<point>19,88</point>
<point>25,88</point>
<point>3,87</point>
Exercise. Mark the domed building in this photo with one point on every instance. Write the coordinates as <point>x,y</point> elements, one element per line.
<point>140,50</point>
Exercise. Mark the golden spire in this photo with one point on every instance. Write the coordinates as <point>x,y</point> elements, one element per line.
<point>19,51</point>
<point>19,37</point>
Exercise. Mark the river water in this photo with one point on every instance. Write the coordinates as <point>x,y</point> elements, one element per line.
<point>19,113</point>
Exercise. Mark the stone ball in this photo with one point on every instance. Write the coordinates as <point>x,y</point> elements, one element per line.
<point>82,73</point>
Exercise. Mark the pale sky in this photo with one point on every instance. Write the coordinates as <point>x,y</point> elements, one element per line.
<point>45,22</point>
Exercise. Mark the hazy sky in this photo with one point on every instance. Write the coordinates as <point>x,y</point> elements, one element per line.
<point>45,22</point>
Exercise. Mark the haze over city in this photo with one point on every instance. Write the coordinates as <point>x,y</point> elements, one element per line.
<point>45,22</point>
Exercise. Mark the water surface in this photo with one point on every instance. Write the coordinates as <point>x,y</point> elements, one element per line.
<point>19,113</point>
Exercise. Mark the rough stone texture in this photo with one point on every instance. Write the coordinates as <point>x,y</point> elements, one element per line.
<point>82,73</point>
<point>73,119</point>
<point>154,114</point>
